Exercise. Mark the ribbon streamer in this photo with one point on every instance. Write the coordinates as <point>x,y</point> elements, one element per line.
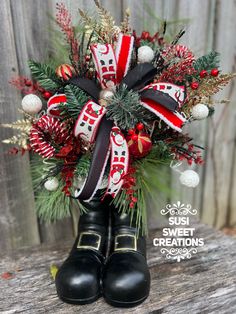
<point>88,121</point>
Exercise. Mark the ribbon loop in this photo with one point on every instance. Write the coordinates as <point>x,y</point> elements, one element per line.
<point>105,63</point>
<point>162,98</point>
<point>87,86</point>
<point>139,76</point>
<point>123,54</point>
<point>176,92</point>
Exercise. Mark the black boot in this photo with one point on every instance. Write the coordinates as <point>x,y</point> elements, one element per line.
<point>126,278</point>
<point>78,280</point>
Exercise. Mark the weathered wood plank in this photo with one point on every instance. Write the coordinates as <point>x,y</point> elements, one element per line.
<point>198,37</point>
<point>204,284</point>
<point>17,219</point>
<point>221,135</point>
<point>34,42</point>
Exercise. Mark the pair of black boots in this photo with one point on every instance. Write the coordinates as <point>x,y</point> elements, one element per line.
<point>112,264</point>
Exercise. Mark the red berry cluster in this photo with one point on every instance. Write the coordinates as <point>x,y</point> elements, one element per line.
<point>27,86</point>
<point>145,36</point>
<point>204,73</point>
<point>67,174</point>
<point>189,154</point>
<point>69,153</point>
<point>128,185</point>
<point>133,132</point>
<point>17,150</point>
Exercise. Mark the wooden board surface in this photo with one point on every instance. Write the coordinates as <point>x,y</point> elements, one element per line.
<point>204,284</point>
<point>18,221</point>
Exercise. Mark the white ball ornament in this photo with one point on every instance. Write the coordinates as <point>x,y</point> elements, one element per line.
<point>31,104</point>
<point>51,184</point>
<point>200,111</point>
<point>145,54</point>
<point>189,178</point>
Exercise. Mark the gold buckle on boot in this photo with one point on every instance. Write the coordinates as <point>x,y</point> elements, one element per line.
<point>125,242</point>
<point>89,240</point>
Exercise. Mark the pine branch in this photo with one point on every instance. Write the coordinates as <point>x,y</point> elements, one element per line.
<point>50,206</point>
<point>83,166</point>
<point>207,62</point>
<point>125,110</point>
<point>45,75</point>
<point>76,99</point>
<point>149,178</point>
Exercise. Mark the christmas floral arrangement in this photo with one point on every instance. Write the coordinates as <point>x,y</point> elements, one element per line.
<point>112,114</point>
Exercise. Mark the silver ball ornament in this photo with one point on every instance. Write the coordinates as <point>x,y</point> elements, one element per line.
<point>31,104</point>
<point>189,178</point>
<point>106,94</point>
<point>51,184</point>
<point>200,111</point>
<point>145,54</point>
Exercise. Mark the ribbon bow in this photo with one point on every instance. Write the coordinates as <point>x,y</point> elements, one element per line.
<point>92,126</point>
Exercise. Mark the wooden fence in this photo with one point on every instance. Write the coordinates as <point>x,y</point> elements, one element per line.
<point>24,35</point>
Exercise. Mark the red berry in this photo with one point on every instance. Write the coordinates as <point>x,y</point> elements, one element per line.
<point>131,131</point>
<point>40,89</point>
<point>145,35</point>
<point>139,126</point>
<point>134,137</point>
<point>28,83</point>
<point>131,204</point>
<point>87,58</point>
<point>203,73</point>
<point>214,72</point>
<point>194,85</point>
<point>47,95</point>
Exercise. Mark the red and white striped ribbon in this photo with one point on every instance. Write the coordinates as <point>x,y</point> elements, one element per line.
<point>174,119</point>
<point>123,55</point>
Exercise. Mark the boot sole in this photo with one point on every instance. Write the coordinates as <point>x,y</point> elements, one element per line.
<point>125,304</point>
<point>80,301</point>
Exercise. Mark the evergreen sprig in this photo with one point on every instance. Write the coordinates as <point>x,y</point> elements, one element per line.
<point>125,109</point>
<point>76,99</point>
<point>207,62</point>
<point>44,75</point>
<point>149,179</point>
<point>83,166</point>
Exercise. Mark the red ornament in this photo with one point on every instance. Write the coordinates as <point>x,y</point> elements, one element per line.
<point>65,71</point>
<point>214,72</point>
<point>140,126</point>
<point>194,85</point>
<point>203,73</point>
<point>141,146</point>
<point>47,95</point>
<point>131,131</point>
<point>134,137</point>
